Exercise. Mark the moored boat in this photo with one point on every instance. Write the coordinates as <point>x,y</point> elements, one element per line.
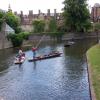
<point>69,43</point>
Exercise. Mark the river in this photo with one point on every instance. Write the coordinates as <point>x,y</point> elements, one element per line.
<point>61,78</point>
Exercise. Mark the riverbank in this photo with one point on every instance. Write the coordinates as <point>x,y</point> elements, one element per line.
<point>33,38</point>
<point>93,55</point>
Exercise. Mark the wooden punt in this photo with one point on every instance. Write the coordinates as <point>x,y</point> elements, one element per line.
<point>48,56</point>
<point>19,62</point>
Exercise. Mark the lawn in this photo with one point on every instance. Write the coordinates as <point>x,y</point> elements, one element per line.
<point>93,55</point>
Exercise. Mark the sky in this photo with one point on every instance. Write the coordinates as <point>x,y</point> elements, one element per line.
<point>35,5</point>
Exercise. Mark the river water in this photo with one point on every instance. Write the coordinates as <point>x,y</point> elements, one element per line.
<point>61,78</point>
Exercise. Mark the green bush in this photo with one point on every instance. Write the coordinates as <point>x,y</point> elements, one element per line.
<point>55,35</point>
<point>38,25</point>
<point>52,25</point>
<point>17,39</point>
<point>97,26</point>
<point>25,35</point>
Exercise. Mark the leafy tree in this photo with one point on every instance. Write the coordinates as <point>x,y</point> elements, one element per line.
<point>1,18</point>
<point>38,25</point>
<point>76,15</point>
<point>55,29</point>
<point>96,26</point>
<point>52,25</point>
<point>16,39</point>
<point>13,21</point>
<point>25,35</point>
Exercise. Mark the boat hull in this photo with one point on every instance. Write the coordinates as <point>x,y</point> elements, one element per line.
<point>19,62</point>
<point>44,57</point>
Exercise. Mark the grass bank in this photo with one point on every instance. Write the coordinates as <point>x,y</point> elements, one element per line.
<point>93,55</point>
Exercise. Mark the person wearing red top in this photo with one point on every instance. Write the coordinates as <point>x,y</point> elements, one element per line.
<point>34,51</point>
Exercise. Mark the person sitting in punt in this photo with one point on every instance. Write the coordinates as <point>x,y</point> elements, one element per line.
<point>20,52</point>
<point>54,52</point>
<point>21,55</point>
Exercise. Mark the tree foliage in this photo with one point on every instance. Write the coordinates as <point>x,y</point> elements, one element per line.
<point>96,26</point>
<point>52,25</point>
<point>17,39</point>
<point>13,21</point>
<point>76,15</point>
<point>1,18</point>
<point>39,25</point>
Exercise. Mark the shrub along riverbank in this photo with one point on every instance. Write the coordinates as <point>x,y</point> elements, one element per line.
<point>93,55</point>
<point>17,39</point>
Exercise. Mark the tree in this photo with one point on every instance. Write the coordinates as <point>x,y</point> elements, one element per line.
<point>52,25</point>
<point>16,39</point>
<point>1,18</point>
<point>76,15</point>
<point>97,26</point>
<point>13,21</point>
<point>38,25</point>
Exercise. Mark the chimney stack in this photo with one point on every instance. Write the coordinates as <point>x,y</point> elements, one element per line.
<point>39,11</point>
<point>48,12</point>
<point>15,12</point>
<point>21,12</point>
<point>55,14</point>
<point>31,12</point>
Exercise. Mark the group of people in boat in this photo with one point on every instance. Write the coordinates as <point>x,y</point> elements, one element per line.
<point>21,54</point>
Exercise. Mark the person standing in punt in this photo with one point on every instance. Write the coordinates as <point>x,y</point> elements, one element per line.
<point>34,52</point>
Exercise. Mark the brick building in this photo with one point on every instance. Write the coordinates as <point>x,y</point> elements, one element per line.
<point>95,13</point>
<point>26,20</point>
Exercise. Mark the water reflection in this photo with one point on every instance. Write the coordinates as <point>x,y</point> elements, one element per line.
<point>34,65</point>
<point>61,78</point>
<point>6,57</point>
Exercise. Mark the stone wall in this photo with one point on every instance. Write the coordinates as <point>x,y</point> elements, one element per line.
<point>67,36</point>
<point>27,28</point>
<point>4,42</point>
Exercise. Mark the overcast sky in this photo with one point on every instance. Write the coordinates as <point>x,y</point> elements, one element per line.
<point>26,5</point>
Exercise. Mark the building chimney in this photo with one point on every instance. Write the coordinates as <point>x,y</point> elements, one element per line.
<point>21,12</point>
<point>39,11</point>
<point>15,12</point>
<point>55,11</point>
<point>55,14</point>
<point>48,12</point>
<point>31,12</point>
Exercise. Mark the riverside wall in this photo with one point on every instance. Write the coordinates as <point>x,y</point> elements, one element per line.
<point>4,42</point>
<point>67,36</point>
